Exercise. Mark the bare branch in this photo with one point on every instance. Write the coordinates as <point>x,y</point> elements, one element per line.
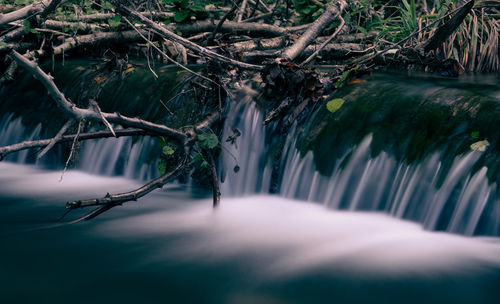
<point>332,12</point>
<point>24,12</point>
<point>112,200</point>
<point>79,113</point>
<point>29,144</point>
<point>56,138</point>
<point>188,44</point>
<point>322,46</point>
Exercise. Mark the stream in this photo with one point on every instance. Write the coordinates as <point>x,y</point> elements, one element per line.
<point>383,201</point>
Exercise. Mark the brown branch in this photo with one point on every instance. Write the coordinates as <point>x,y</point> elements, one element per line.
<point>29,144</point>
<point>165,55</point>
<point>56,138</point>
<point>332,12</point>
<point>322,46</point>
<point>215,180</point>
<point>220,23</point>
<point>186,43</point>
<point>24,12</point>
<point>444,31</point>
<point>79,113</point>
<point>416,32</point>
<point>245,28</point>
<point>241,11</point>
<point>112,200</point>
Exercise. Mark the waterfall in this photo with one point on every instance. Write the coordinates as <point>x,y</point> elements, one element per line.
<point>463,202</point>
<point>456,197</point>
<point>124,156</point>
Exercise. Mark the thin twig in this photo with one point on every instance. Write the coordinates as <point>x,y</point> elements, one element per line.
<point>56,138</point>
<point>73,148</point>
<point>322,46</point>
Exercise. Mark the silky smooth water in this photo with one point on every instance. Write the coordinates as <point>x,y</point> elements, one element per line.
<point>358,216</point>
<point>172,247</point>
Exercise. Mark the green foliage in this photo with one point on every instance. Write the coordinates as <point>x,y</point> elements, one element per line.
<point>184,10</point>
<point>208,141</point>
<point>408,16</point>
<point>334,104</point>
<point>167,154</point>
<point>107,6</point>
<point>167,150</point>
<point>345,76</point>
<point>162,165</point>
<point>308,10</point>
<point>28,29</point>
<point>115,21</point>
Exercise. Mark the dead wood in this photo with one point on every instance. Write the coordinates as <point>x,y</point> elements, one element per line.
<point>109,201</point>
<point>332,12</point>
<point>445,30</point>
<point>43,143</point>
<point>188,44</point>
<point>24,12</point>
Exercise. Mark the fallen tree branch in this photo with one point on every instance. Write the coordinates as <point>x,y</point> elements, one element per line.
<point>112,200</point>
<point>81,26</point>
<point>94,39</point>
<point>30,144</point>
<point>416,32</point>
<point>56,138</point>
<point>188,44</point>
<point>324,44</point>
<point>332,12</point>
<point>24,12</point>
<point>165,55</point>
<point>220,23</point>
<point>444,31</point>
<point>242,28</point>
<point>80,113</point>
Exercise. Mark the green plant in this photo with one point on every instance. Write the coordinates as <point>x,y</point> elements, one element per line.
<point>184,10</point>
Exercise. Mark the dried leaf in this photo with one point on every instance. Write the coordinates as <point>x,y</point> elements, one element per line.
<point>480,145</point>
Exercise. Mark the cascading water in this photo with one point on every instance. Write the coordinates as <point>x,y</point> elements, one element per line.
<point>171,247</point>
<point>452,197</point>
<point>456,196</point>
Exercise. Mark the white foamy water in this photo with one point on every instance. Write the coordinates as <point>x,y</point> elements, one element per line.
<point>283,236</point>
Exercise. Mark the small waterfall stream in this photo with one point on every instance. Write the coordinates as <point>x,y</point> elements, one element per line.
<point>171,246</point>
<point>453,198</point>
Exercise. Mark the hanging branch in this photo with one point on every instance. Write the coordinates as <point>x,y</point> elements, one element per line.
<point>79,113</point>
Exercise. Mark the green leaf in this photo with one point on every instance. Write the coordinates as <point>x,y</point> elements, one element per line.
<point>163,141</point>
<point>162,166</point>
<point>480,145</point>
<point>208,141</point>
<point>197,158</point>
<point>334,104</point>
<point>204,165</point>
<point>474,134</point>
<point>107,5</point>
<point>3,43</point>
<point>167,150</point>
<point>181,16</point>
<point>115,21</point>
